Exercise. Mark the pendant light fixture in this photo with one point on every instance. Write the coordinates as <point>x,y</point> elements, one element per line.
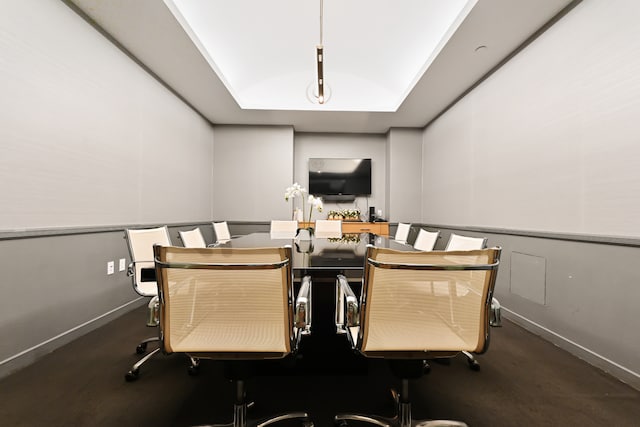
<point>320,62</point>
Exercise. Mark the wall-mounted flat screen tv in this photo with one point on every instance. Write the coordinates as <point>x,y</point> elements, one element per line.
<point>340,177</point>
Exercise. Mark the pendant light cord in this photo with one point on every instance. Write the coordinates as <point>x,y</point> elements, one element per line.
<point>321,17</point>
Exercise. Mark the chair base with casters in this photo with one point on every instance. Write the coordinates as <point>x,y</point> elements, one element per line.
<point>153,321</point>
<point>402,417</point>
<point>241,405</point>
<point>474,365</point>
<point>495,320</point>
<point>134,373</point>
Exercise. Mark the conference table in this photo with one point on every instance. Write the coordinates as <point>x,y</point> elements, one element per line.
<point>323,258</point>
<point>321,255</point>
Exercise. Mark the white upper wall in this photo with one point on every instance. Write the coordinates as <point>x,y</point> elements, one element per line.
<point>404,182</point>
<point>87,137</point>
<point>550,141</point>
<point>252,167</point>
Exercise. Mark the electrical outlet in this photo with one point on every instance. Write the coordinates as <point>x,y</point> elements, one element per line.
<point>110,267</point>
<point>122,265</point>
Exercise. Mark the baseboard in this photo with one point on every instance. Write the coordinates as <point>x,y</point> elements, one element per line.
<point>618,371</point>
<point>30,355</point>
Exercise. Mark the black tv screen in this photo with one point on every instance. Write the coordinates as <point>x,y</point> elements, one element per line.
<point>340,177</point>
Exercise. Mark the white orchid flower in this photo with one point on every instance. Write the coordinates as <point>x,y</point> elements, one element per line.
<point>293,191</point>
<point>316,203</point>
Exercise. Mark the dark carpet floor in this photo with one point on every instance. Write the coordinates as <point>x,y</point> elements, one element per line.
<point>523,381</point>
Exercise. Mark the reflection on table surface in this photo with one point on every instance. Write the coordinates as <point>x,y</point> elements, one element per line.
<point>321,253</point>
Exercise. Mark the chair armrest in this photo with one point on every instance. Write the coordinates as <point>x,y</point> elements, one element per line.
<point>347,310</point>
<point>303,307</point>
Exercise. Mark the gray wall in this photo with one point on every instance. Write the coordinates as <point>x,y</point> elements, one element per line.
<point>549,144</point>
<point>55,289</point>
<point>88,140</point>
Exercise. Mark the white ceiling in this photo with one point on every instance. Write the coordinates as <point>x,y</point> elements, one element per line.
<point>374,51</point>
<point>388,63</point>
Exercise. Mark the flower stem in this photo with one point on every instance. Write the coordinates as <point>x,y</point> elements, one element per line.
<point>302,197</point>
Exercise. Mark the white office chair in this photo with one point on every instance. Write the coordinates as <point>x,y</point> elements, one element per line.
<point>328,228</point>
<point>464,243</point>
<point>222,232</point>
<point>143,276</point>
<point>192,238</point>
<point>426,240</point>
<point>283,229</point>
<point>402,232</point>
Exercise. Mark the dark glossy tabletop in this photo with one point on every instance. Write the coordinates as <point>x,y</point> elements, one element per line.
<point>322,253</point>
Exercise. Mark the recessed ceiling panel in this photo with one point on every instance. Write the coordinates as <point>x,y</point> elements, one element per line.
<point>375,50</point>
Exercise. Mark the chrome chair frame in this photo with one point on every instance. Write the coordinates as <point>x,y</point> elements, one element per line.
<point>299,314</point>
<point>351,313</point>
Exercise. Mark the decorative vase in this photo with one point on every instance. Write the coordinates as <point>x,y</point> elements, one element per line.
<point>304,246</point>
<point>304,233</point>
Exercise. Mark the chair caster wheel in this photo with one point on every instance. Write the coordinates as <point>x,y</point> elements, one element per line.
<point>193,370</point>
<point>340,423</point>
<point>141,348</point>
<point>132,375</point>
<point>395,396</point>
<point>307,424</point>
<point>474,365</point>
